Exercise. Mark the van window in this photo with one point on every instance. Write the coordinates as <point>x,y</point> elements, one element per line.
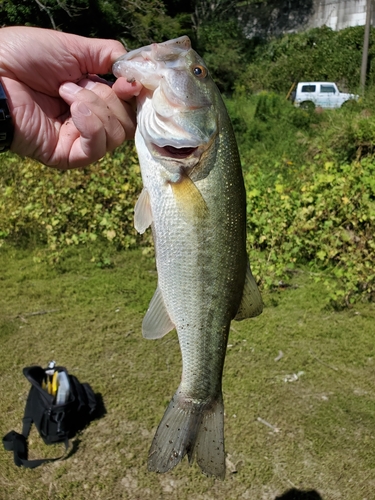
<point>327,89</point>
<point>308,88</point>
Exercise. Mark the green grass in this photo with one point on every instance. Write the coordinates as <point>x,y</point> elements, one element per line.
<point>323,424</point>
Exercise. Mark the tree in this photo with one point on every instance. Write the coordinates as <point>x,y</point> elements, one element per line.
<point>135,22</point>
<point>365,46</point>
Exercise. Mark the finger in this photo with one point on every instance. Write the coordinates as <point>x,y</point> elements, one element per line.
<point>117,117</point>
<point>82,139</point>
<point>95,55</point>
<point>123,111</point>
<point>64,56</point>
<point>125,90</point>
<point>92,143</point>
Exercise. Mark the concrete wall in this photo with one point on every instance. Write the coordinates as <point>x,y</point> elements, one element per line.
<point>339,14</point>
<point>276,17</point>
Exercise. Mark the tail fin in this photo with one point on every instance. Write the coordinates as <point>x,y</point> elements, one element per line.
<point>192,428</point>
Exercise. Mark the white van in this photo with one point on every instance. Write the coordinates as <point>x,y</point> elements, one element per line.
<point>323,94</point>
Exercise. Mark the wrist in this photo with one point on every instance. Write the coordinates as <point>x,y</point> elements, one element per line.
<point>6,123</point>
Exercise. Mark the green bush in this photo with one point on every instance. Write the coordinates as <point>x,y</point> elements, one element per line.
<point>316,54</point>
<point>61,209</point>
<point>325,219</point>
<point>270,130</point>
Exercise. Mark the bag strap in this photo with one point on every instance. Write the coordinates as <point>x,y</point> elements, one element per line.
<point>13,441</point>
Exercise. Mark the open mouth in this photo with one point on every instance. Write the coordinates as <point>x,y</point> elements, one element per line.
<point>172,152</point>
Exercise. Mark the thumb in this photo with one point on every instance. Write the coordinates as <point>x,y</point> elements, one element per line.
<point>97,55</point>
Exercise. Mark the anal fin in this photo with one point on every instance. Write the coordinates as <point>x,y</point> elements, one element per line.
<point>251,303</point>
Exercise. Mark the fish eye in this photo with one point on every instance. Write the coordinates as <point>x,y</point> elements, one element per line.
<point>200,71</point>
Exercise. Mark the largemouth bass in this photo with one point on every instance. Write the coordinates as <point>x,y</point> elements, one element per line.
<point>194,200</point>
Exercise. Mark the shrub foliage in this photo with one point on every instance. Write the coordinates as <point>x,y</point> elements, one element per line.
<point>316,54</point>
<point>61,209</point>
<point>325,218</point>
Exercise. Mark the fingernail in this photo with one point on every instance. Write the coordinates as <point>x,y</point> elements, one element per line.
<point>83,109</point>
<point>87,84</point>
<point>70,88</point>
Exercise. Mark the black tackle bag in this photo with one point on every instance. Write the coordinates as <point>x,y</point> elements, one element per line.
<point>54,422</point>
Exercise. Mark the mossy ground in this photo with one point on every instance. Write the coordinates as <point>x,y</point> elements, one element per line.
<point>318,395</point>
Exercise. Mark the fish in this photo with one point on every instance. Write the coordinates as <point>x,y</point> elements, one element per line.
<point>194,199</point>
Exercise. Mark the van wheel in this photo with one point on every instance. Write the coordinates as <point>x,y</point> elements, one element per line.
<point>308,105</point>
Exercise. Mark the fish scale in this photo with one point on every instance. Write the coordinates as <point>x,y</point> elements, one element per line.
<point>194,200</point>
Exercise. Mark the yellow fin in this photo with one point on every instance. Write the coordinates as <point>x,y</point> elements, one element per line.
<point>189,198</point>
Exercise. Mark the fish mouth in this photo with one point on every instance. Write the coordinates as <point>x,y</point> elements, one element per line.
<point>173,152</point>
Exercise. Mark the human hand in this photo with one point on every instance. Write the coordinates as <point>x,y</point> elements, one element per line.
<point>63,114</point>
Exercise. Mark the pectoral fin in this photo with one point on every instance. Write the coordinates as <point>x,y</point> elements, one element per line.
<point>156,322</point>
<point>188,197</point>
<point>142,212</point>
<point>251,303</point>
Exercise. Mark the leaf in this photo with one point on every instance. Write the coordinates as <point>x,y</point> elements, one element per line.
<point>110,234</point>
